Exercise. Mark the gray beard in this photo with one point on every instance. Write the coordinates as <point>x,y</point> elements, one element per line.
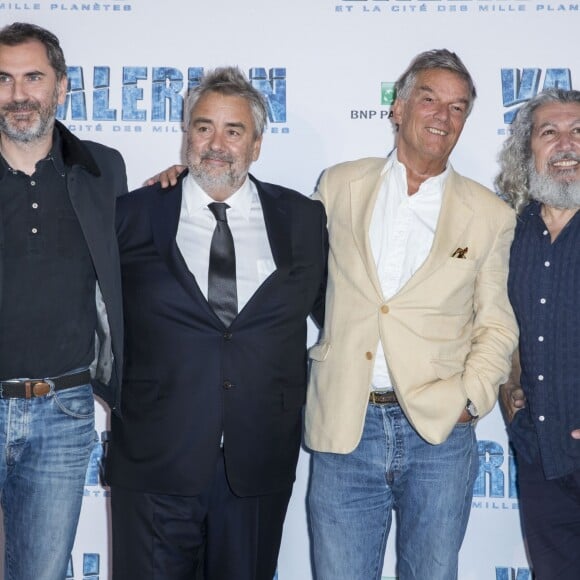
<point>211,183</point>
<point>547,190</point>
<point>228,180</point>
<point>41,128</point>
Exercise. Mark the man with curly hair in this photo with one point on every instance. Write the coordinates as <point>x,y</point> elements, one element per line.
<point>540,177</point>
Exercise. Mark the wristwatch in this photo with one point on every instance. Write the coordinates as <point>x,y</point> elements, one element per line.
<point>471,409</point>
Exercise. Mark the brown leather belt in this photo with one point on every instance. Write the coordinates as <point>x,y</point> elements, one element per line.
<point>383,398</point>
<point>30,388</point>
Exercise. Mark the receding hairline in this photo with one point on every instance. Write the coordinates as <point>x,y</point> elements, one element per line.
<point>203,118</point>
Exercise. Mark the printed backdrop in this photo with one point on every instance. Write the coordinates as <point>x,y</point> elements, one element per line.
<point>327,69</point>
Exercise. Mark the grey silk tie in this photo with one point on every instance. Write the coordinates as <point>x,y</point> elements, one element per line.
<point>221,281</point>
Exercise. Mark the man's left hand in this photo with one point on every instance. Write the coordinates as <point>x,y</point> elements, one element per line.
<point>465,417</point>
<point>167,177</point>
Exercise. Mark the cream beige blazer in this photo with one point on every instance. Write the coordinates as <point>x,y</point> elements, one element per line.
<point>448,334</point>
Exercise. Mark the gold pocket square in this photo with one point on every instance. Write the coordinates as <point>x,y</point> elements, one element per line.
<point>460,253</point>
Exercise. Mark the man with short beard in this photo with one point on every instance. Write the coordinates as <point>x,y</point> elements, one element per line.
<point>60,304</point>
<point>540,177</point>
<point>220,273</point>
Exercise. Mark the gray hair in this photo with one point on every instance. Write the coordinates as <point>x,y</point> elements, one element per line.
<point>434,59</point>
<point>229,81</point>
<point>513,180</point>
<point>22,32</point>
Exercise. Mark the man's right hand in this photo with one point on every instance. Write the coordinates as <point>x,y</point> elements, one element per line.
<point>511,400</point>
<point>511,395</point>
<point>167,177</point>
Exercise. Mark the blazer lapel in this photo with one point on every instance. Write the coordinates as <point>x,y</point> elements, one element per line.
<point>277,217</point>
<point>363,197</point>
<point>165,211</point>
<point>454,219</point>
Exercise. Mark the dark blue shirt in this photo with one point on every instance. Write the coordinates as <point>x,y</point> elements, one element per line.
<point>544,288</point>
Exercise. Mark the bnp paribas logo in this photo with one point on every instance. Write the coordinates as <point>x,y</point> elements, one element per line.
<point>386,100</point>
<point>387,93</point>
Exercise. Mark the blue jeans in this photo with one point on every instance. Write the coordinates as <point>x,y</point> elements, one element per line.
<point>45,443</point>
<point>352,497</point>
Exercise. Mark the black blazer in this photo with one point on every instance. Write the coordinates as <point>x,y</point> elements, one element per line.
<point>188,378</point>
<point>95,175</point>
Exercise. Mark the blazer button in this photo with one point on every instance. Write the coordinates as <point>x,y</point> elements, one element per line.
<point>227,335</point>
<point>384,309</point>
<point>228,385</point>
<point>369,355</point>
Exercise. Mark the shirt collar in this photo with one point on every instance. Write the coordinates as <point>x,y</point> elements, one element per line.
<point>195,199</point>
<point>4,167</point>
<point>434,184</point>
<point>54,155</point>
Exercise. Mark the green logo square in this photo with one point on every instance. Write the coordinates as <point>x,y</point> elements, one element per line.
<point>387,93</point>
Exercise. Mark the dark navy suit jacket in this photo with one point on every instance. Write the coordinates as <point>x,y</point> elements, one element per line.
<point>188,378</point>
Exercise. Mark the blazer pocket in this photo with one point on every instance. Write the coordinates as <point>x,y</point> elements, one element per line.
<point>319,351</point>
<point>462,263</point>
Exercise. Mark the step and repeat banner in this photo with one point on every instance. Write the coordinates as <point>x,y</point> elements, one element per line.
<point>327,69</point>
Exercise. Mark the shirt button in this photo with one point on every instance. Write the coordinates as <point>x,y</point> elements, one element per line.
<point>542,301</point>
<point>228,385</point>
<point>34,230</point>
<point>541,418</point>
<point>547,264</point>
<point>540,377</point>
<point>545,232</point>
<point>384,309</point>
<point>33,183</point>
<point>369,355</point>
<point>34,205</point>
<point>540,339</point>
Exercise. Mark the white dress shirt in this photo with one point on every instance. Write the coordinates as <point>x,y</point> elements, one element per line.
<point>401,235</point>
<point>254,261</point>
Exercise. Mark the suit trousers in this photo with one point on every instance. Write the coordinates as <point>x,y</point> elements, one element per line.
<point>215,535</point>
<point>550,511</point>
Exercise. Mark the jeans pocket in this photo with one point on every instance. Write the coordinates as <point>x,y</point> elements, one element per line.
<point>76,402</point>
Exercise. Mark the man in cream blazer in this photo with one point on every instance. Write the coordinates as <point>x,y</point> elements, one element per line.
<point>417,338</point>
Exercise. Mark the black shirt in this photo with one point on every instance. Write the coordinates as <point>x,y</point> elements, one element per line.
<point>48,312</point>
<point>544,288</point>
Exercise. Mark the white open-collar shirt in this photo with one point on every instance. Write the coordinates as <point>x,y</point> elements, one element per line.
<point>401,235</point>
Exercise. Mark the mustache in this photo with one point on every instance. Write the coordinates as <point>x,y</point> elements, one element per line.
<point>23,107</point>
<point>564,156</point>
<point>217,157</point>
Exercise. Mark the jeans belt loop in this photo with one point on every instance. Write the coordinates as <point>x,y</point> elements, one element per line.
<point>51,385</point>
